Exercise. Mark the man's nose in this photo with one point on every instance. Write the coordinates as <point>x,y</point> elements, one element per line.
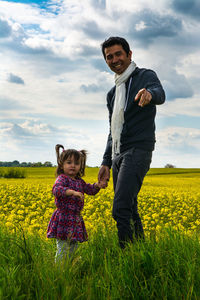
<point>115,59</point>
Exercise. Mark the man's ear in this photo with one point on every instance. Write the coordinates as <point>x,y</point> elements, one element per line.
<point>130,55</point>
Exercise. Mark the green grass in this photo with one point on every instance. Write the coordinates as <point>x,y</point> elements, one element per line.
<point>31,172</point>
<point>11,172</point>
<point>164,268</point>
<point>173,171</point>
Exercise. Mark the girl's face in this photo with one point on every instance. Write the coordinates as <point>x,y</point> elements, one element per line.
<point>71,167</point>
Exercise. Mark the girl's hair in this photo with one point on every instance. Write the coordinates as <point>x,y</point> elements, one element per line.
<point>65,154</point>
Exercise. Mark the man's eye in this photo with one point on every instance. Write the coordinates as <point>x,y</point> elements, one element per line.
<point>109,57</point>
<point>118,53</point>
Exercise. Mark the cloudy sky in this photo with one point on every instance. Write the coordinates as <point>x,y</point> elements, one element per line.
<point>53,79</point>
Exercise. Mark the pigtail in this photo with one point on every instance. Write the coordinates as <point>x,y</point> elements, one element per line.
<point>57,148</point>
<point>58,156</point>
<point>83,162</point>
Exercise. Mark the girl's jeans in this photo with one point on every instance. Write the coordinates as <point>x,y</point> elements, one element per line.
<point>65,248</point>
<point>129,169</point>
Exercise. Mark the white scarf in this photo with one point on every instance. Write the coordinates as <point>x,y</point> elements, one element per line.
<point>118,110</point>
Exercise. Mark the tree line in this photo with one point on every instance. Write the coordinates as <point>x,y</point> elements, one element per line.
<point>16,163</point>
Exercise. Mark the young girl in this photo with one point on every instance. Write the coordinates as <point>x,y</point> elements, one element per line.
<point>66,224</point>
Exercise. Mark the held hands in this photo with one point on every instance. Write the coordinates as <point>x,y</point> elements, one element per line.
<point>100,185</point>
<point>144,96</point>
<point>103,176</point>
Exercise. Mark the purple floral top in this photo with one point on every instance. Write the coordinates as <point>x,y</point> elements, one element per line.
<point>66,221</point>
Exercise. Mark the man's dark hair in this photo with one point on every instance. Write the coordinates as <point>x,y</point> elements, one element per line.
<point>115,40</point>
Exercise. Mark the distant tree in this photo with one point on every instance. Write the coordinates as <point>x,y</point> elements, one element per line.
<point>15,163</point>
<point>7,164</point>
<point>47,164</point>
<point>170,166</point>
<point>37,164</point>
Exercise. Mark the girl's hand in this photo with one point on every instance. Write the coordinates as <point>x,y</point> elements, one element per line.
<point>100,185</point>
<point>79,195</point>
<point>75,194</point>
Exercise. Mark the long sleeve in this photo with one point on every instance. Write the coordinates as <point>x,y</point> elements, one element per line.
<point>89,189</point>
<point>59,188</point>
<point>107,161</point>
<point>107,157</point>
<point>155,88</point>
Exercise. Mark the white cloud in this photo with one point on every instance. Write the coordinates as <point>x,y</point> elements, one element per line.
<point>64,99</point>
<point>178,146</point>
<point>179,139</point>
<point>137,6</point>
<point>20,12</point>
<point>184,107</point>
<point>140,26</point>
<point>190,64</point>
<point>56,53</point>
<point>39,139</point>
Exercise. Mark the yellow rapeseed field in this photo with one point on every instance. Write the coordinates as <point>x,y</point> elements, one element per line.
<point>168,200</point>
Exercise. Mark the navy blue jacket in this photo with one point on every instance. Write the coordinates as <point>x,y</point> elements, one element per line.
<point>139,122</point>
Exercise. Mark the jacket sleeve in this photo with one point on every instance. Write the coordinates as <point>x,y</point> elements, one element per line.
<point>107,157</point>
<point>155,88</point>
<point>107,160</point>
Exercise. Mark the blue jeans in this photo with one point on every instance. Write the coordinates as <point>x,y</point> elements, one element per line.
<point>129,169</point>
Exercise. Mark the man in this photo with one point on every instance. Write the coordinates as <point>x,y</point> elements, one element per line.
<point>132,109</point>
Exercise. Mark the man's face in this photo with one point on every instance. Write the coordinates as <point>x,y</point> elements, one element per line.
<point>117,59</point>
